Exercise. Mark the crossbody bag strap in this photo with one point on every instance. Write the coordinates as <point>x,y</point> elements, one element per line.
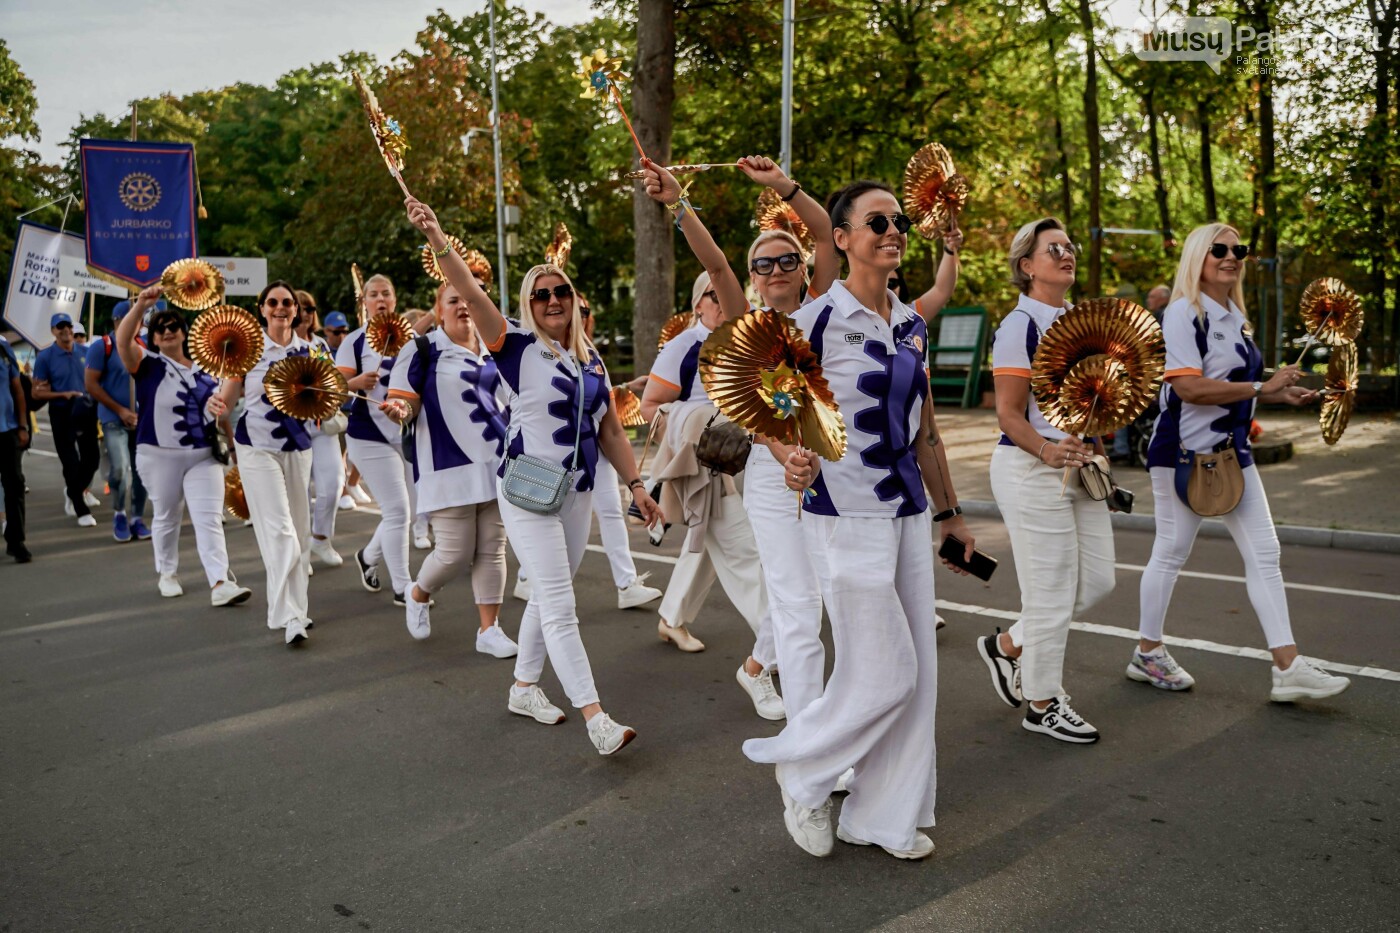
<point>578,425</point>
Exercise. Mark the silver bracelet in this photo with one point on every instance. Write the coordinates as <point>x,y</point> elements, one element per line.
<point>1041,451</point>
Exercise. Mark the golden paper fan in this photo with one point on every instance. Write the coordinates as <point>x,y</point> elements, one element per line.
<point>307,388</point>
<point>628,407</point>
<point>1098,367</point>
<point>388,135</point>
<point>674,326</point>
<point>934,192</point>
<point>1331,312</point>
<point>192,284</point>
<point>560,247</point>
<point>479,266</point>
<point>226,341</point>
<point>387,333</point>
<point>1339,393</point>
<point>773,213</point>
<point>761,372</point>
<point>430,263</point>
<point>234,499</point>
<point>357,279</point>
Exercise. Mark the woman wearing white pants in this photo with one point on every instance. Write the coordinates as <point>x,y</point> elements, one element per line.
<point>547,363</point>
<point>1063,543</point>
<point>327,465</point>
<point>274,463</point>
<point>1213,381</point>
<point>177,411</point>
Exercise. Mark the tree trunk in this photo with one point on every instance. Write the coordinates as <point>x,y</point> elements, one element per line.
<point>1160,187</point>
<point>1384,21</point>
<point>653,93</point>
<point>1091,133</point>
<point>1207,173</point>
<point>1267,176</point>
<point>1066,204</point>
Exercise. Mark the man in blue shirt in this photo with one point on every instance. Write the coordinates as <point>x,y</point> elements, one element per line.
<point>110,384</point>
<point>14,438</point>
<point>59,379</point>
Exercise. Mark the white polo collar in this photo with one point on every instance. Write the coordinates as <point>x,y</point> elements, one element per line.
<point>849,304</point>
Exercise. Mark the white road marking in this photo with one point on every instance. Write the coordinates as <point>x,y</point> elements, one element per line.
<point>1310,587</point>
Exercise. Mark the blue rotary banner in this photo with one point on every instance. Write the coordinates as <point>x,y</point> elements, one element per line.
<point>140,201</point>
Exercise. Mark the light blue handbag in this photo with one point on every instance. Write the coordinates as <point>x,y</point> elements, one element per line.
<point>540,486</point>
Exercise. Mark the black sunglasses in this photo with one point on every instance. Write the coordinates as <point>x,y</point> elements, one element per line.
<point>284,303</point>
<point>710,295</point>
<point>63,325</point>
<point>338,331</point>
<point>171,328</point>
<point>1218,250</point>
<point>559,291</point>
<point>880,223</point>
<point>788,262</point>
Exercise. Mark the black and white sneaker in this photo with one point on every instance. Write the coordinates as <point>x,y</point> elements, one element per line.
<point>369,573</point>
<point>1006,671</point>
<point>1060,721</point>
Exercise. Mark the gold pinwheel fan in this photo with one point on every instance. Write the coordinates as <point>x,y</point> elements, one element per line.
<point>1331,313</point>
<point>477,264</point>
<point>934,192</point>
<point>673,327</point>
<point>308,388</point>
<point>1338,393</point>
<point>192,284</point>
<point>628,407</point>
<point>234,499</point>
<point>389,137</point>
<point>560,247</point>
<point>226,341</point>
<point>387,333</point>
<point>773,213</point>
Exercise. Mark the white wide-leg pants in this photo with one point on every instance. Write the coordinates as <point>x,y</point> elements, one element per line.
<point>328,475</point>
<point>174,477</point>
<point>390,478</point>
<point>277,485</point>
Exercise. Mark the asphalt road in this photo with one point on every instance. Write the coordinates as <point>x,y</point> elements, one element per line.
<point>169,766</point>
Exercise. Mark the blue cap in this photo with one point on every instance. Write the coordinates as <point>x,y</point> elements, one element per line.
<point>336,319</point>
<point>60,318</point>
<point>120,309</point>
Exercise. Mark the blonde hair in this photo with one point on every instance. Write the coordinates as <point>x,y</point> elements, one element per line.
<point>381,277</point>
<point>1193,261</point>
<point>698,290</point>
<point>1023,245</point>
<point>768,236</point>
<point>578,343</point>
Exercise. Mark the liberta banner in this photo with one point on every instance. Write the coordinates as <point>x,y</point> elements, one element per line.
<point>140,204</point>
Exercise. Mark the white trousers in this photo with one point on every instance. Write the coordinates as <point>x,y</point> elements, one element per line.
<point>612,527</point>
<point>877,713</point>
<point>794,595</point>
<point>731,556</point>
<point>390,478</point>
<point>328,476</point>
<point>277,485</point>
<point>1251,525</point>
<point>1063,547</point>
<point>174,477</point>
<point>550,548</point>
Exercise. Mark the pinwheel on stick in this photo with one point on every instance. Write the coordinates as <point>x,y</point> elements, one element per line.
<point>1338,393</point>
<point>308,388</point>
<point>234,500</point>
<point>387,333</point>
<point>773,213</point>
<point>1331,313</point>
<point>226,341</point>
<point>389,137</point>
<point>192,284</point>
<point>560,247</point>
<point>477,264</point>
<point>934,192</point>
<point>628,407</point>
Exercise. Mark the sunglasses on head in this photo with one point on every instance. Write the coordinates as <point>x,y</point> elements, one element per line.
<point>559,291</point>
<point>282,303</point>
<point>1219,250</point>
<point>1060,251</point>
<point>787,262</point>
<point>880,223</point>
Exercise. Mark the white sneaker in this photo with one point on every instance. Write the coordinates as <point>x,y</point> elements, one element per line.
<point>229,593</point>
<point>296,632</point>
<point>86,521</point>
<point>637,593</point>
<point>358,493</point>
<point>420,536</point>
<point>416,615</point>
<point>495,642</point>
<point>923,845</point>
<point>169,586</point>
<point>607,736</point>
<point>522,589</point>
<point>346,503</point>
<point>766,701</point>
<point>322,550</point>
<point>810,829</point>
<point>1060,721</point>
<point>843,783</point>
<point>91,500</point>
<point>68,507</point>
<point>1304,680</point>
<point>533,703</point>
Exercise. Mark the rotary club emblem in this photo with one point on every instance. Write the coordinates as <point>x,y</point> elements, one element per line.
<point>139,191</point>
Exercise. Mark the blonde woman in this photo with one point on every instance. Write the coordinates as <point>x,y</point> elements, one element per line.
<point>547,363</point>
<point>1214,379</point>
<point>1063,543</point>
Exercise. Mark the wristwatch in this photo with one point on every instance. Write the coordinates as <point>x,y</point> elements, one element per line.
<point>1258,388</point>
<point>948,513</point>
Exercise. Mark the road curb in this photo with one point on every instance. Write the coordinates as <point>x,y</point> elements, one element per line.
<point>1214,528</point>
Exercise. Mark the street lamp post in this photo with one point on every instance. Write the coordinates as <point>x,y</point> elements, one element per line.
<point>789,29</point>
<point>502,274</point>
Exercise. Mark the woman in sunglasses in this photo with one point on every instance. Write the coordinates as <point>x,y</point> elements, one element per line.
<point>327,463</point>
<point>274,463</point>
<point>1063,543</point>
<point>547,362</point>
<point>867,527</point>
<point>177,412</point>
<point>1214,379</point>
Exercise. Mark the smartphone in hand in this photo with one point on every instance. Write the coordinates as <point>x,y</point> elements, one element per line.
<point>982,566</point>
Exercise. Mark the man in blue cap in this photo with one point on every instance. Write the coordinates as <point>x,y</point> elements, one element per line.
<point>111,385</point>
<point>59,379</point>
<point>335,327</point>
<point>14,438</point>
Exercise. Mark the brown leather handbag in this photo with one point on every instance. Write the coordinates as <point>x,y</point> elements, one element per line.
<point>724,446</point>
<point>1210,483</point>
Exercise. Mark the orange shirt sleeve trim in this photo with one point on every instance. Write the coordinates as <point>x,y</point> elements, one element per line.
<point>403,393</point>
<point>1173,373</point>
<point>1011,371</point>
<point>348,370</point>
<point>669,385</point>
<point>495,347</point>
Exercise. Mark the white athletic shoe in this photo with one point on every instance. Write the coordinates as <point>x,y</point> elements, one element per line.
<point>346,503</point>
<point>169,586</point>
<point>810,829</point>
<point>495,642</point>
<point>1304,680</point>
<point>533,703</point>
<point>358,493</point>
<point>68,507</point>
<point>766,701</point>
<point>637,593</point>
<point>843,783</point>
<point>522,589</point>
<point>923,845</point>
<point>416,615</point>
<point>86,521</point>
<point>91,500</point>
<point>229,593</point>
<point>420,536</point>
<point>322,550</point>
<point>607,736</point>
<point>296,632</point>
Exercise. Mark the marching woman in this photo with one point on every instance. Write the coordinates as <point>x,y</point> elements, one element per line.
<point>556,378</point>
<point>1214,379</point>
<point>445,385</point>
<point>177,413</point>
<point>327,464</point>
<point>375,444</point>
<point>274,463</point>
<point>1062,542</point>
<point>868,530</point>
